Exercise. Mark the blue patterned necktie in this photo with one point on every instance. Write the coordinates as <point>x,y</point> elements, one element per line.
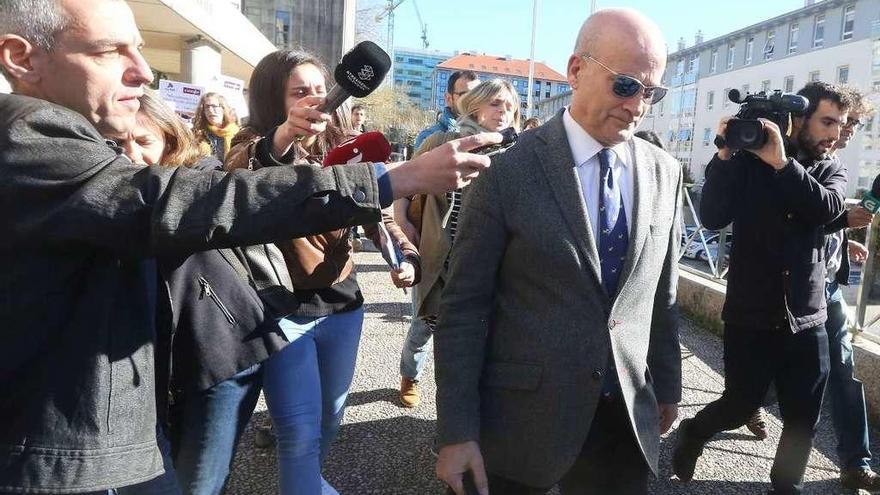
<point>613,243</point>
<point>613,232</point>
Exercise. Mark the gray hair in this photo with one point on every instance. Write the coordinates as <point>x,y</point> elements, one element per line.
<point>38,21</point>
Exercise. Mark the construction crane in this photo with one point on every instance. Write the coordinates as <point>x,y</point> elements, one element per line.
<point>422,25</point>
<point>388,11</point>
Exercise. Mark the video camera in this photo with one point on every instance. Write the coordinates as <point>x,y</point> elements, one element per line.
<point>745,131</point>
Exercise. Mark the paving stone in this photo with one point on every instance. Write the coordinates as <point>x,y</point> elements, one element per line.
<point>383,448</point>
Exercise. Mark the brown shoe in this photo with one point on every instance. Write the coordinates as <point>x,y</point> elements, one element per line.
<point>860,479</point>
<point>757,425</point>
<point>409,392</point>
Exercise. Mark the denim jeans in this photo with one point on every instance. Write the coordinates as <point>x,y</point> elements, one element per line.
<point>846,393</point>
<point>415,348</point>
<point>208,427</point>
<point>306,385</point>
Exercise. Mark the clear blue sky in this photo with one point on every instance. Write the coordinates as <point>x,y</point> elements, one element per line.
<point>503,27</point>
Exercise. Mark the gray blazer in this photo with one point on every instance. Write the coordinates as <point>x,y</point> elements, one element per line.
<point>525,323</point>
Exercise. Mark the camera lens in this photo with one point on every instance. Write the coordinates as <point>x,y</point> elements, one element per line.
<point>749,134</point>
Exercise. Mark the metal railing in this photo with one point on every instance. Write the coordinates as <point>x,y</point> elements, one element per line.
<point>717,262</point>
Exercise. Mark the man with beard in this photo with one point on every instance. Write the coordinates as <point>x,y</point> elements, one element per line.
<point>845,392</point>
<point>779,201</point>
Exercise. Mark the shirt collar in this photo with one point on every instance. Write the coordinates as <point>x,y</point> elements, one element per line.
<point>583,146</point>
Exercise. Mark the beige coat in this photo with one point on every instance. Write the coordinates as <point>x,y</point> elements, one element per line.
<point>435,242</point>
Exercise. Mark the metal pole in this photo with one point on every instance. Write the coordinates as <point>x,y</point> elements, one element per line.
<point>391,41</point>
<point>529,98</point>
<point>592,6</point>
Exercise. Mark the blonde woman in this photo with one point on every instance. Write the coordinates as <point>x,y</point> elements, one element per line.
<point>493,105</point>
<point>215,125</point>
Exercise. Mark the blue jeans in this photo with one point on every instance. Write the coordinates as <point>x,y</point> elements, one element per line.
<point>306,385</point>
<point>415,348</point>
<point>846,393</point>
<point>210,424</point>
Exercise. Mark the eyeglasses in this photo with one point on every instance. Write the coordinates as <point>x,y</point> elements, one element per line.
<point>856,124</point>
<point>214,106</point>
<point>627,86</point>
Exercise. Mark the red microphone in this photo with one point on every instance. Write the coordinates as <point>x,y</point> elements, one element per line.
<point>368,147</point>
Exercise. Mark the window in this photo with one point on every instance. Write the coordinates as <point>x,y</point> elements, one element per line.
<point>679,67</point>
<point>282,28</point>
<point>819,31</point>
<point>793,32</point>
<point>788,84</point>
<point>745,90</point>
<point>849,19</point>
<point>707,135</point>
<point>710,100</point>
<point>750,44</point>
<point>547,94</point>
<point>731,55</point>
<point>765,86</point>
<point>770,45</point>
<point>843,74</point>
<point>814,76</point>
<point>693,64</point>
<point>725,100</point>
<point>713,61</point>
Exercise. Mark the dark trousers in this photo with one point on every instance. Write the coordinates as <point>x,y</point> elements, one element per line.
<point>611,462</point>
<point>798,364</point>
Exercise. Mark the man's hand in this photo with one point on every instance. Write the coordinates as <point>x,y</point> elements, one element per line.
<point>857,251</point>
<point>457,459</point>
<point>773,151</point>
<point>858,218</point>
<point>668,414</point>
<point>444,168</point>
<point>403,276</point>
<point>724,153</point>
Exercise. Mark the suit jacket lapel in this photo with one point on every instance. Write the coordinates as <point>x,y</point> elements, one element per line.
<point>559,168</point>
<point>643,199</point>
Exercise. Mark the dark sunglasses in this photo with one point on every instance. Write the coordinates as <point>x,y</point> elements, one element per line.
<point>627,86</point>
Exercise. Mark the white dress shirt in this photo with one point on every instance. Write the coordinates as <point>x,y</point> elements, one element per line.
<point>585,151</point>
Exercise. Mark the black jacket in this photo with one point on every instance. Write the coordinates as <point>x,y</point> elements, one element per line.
<point>78,296</point>
<point>777,261</point>
<point>216,324</point>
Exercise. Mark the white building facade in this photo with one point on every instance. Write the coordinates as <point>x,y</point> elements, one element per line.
<point>835,41</point>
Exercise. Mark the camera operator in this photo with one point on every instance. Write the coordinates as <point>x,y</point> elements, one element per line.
<point>779,198</point>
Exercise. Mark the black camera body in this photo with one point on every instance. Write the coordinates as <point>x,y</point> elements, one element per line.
<point>745,131</point>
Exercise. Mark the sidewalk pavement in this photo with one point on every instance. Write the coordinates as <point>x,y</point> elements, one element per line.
<point>383,448</point>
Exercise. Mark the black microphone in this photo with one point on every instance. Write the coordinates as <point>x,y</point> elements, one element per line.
<point>358,74</point>
<point>871,199</point>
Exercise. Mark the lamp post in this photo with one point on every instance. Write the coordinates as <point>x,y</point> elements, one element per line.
<point>529,96</point>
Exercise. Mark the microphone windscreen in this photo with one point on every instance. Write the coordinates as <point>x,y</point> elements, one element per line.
<point>362,69</point>
<point>875,187</point>
<point>369,147</point>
